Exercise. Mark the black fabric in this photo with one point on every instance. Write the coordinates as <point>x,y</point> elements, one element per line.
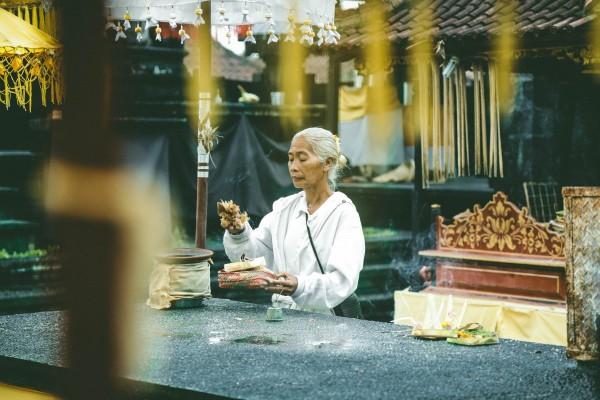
<point>247,166</point>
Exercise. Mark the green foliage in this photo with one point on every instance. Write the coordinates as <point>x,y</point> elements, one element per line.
<point>32,252</point>
<point>371,232</point>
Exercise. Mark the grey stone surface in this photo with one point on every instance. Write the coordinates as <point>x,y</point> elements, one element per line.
<point>227,348</point>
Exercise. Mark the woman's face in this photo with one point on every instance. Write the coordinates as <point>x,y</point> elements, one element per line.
<point>304,165</point>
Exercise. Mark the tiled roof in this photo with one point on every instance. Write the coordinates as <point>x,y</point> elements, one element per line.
<point>463,19</point>
<point>225,63</point>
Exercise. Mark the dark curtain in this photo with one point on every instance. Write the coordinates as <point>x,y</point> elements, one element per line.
<point>247,166</point>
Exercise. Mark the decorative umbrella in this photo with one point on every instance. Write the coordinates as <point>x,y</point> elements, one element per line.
<point>28,56</point>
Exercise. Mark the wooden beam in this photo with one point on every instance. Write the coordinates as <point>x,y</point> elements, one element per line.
<point>90,244</point>
<point>204,99</point>
<point>332,116</point>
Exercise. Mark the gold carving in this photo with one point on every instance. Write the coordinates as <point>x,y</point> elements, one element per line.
<point>500,226</point>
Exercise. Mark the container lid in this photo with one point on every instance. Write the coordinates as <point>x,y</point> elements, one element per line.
<point>184,256</point>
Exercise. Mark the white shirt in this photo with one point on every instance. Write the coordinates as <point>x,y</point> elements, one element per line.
<point>282,239</point>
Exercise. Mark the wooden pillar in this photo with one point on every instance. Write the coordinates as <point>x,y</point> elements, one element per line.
<point>84,147</point>
<point>582,212</point>
<point>332,117</point>
<point>436,212</point>
<point>204,100</point>
<point>417,193</point>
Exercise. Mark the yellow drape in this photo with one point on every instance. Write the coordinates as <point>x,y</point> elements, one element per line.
<point>355,103</point>
<point>27,56</point>
<point>511,320</point>
<point>352,103</point>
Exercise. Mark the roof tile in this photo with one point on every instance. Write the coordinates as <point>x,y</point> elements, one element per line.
<point>463,18</point>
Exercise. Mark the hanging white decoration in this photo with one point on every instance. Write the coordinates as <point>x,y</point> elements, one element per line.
<point>138,32</point>
<point>266,17</point>
<point>222,11</point>
<point>245,13</point>
<point>183,36</point>
<point>250,37</point>
<point>150,21</point>
<point>307,34</point>
<point>199,19</point>
<point>126,20</point>
<point>321,34</point>
<point>173,18</point>
<point>272,37</point>
<point>291,33</point>
<point>120,34</point>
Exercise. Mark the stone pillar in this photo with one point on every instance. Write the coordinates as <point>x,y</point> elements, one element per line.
<point>582,250</point>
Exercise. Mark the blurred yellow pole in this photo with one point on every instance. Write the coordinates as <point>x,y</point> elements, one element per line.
<point>420,59</point>
<point>377,52</point>
<point>504,48</point>
<point>595,34</point>
<point>292,81</point>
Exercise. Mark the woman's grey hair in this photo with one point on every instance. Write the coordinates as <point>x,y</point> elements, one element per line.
<point>325,145</point>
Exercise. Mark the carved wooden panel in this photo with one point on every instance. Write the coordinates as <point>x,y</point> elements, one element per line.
<point>518,281</point>
<point>500,227</point>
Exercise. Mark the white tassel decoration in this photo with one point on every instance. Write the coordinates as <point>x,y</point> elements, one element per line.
<point>173,20</point>
<point>150,21</point>
<point>120,34</point>
<point>307,34</point>
<point>291,34</point>
<point>250,37</point>
<point>222,12</point>
<point>272,36</point>
<point>331,36</point>
<point>138,33</point>
<point>245,13</point>
<point>321,34</point>
<point>199,19</point>
<point>158,36</point>
<point>183,34</point>
<point>126,20</point>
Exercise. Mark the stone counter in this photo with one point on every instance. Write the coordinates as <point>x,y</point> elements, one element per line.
<point>227,349</point>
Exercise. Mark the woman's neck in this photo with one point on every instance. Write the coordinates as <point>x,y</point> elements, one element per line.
<point>315,196</point>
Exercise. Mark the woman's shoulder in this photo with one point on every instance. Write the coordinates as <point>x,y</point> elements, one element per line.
<point>341,199</point>
<point>287,201</point>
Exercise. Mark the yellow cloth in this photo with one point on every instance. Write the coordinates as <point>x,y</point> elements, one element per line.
<point>531,323</point>
<point>353,103</point>
<point>17,35</point>
<point>179,281</point>
<point>21,393</point>
<point>27,56</point>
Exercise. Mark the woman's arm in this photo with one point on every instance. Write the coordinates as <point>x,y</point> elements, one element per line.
<point>342,269</point>
<point>251,242</point>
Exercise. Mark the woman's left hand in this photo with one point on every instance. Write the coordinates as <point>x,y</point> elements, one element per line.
<point>285,285</point>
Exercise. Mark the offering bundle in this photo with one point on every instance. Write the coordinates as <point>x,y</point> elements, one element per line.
<point>245,274</point>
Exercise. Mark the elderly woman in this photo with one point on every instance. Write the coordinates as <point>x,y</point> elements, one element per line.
<point>313,277</point>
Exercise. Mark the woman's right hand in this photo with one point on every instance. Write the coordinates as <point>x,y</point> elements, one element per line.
<point>233,230</point>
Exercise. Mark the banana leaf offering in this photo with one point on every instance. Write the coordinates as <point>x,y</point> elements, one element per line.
<point>473,335</point>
